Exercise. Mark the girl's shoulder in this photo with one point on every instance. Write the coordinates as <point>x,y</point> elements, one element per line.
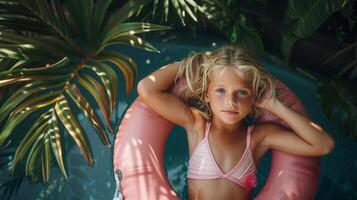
<point>264,127</point>
<point>260,132</point>
<point>198,124</point>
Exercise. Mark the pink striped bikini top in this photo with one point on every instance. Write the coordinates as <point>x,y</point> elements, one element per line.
<point>202,164</point>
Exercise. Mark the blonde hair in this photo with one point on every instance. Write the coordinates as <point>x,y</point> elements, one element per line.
<point>197,69</point>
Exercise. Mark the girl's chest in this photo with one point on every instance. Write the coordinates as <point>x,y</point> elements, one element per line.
<point>226,152</point>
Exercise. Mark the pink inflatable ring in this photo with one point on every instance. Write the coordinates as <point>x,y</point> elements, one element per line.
<point>139,150</point>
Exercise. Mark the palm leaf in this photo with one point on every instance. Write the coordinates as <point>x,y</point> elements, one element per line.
<point>45,17</point>
<point>166,8</point>
<point>134,41</point>
<point>125,12</point>
<point>100,9</point>
<point>249,37</point>
<point>125,65</point>
<point>52,14</point>
<point>44,132</point>
<point>15,16</point>
<point>34,156</point>
<point>132,28</point>
<point>24,110</point>
<point>109,80</point>
<point>73,38</point>
<point>24,48</point>
<point>55,139</point>
<point>187,8</point>
<point>62,48</point>
<point>305,18</point>
<point>48,72</point>
<point>88,111</point>
<point>178,10</point>
<point>338,101</point>
<point>6,62</point>
<point>22,94</point>
<point>81,12</point>
<point>12,51</point>
<point>125,33</point>
<point>97,92</point>
<point>230,21</point>
<point>67,118</point>
<point>30,137</point>
<point>184,9</point>
<point>46,158</point>
<point>10,81</point>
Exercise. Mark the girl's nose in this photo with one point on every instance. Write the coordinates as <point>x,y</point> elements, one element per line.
<point>231,101</point>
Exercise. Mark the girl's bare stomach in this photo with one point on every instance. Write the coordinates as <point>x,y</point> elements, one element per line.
<point>214,189</point>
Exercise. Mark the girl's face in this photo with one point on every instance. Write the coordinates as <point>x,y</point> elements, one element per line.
<point>229,95</point>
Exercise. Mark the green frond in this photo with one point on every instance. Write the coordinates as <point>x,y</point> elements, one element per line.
<point>97,92</point>
<point>33,159</point>
<point>81,12</point>
<point>125,64</point>
<point>132,28</point>
<point>25,48</point>
<point>338,101</point>
<point>63,111</point>
<point>182,8</point>
<point>125,12</point>
<point>24,110</point>
<point>55,139</point>
<point>109,80</point>
<point>124,33</point>
<point>49,14</point>
<point>229,20</point>
<point>306,17</point>
<point>44,45</point>
<point>30,137</point>
<point>21,94</point>
<point>88,111</point>
<point>100,11</point>
<point>46,156</point>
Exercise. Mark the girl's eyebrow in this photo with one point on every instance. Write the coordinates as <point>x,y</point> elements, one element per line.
<point>222,85</point>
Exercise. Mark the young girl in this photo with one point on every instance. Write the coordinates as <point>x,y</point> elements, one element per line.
<point>223,88</point>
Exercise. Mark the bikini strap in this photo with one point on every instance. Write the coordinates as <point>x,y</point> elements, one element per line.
<point>249,133</point>
<point>208,127</point>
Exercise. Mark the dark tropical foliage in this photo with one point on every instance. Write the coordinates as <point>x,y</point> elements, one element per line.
<point>305,17</point>
<point>54,53</point>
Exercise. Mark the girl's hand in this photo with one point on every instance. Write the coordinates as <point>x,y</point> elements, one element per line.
<point>267,101</point>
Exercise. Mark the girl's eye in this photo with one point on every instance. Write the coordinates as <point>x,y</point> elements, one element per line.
<point>220,90</point>
<point>242,93</point>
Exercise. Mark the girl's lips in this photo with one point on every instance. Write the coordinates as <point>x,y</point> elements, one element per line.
<point>230,112</point>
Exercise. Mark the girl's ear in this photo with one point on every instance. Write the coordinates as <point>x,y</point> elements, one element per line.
<point>206,98</point>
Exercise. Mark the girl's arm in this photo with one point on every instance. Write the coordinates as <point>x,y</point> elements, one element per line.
<point>310,139</point>
<point>153,90</point>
